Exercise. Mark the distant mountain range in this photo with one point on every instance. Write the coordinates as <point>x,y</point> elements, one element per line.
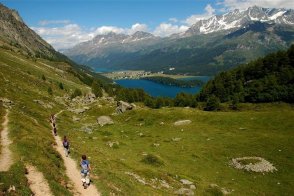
<point>207,47</point>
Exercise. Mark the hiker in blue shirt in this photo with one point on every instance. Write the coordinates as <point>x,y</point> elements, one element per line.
<point>85,171</point>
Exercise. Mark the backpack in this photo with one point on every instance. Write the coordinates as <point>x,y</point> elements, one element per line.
<point>65,144</point>
<point>85,166</point>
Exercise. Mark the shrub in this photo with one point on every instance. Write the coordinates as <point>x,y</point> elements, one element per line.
<point>76,93</point>
<point>212,104</point>
<point>152,160</point>
<point>96,89</point>
<point>43,77</point>
<point>61,86</point>
<point>50,92</point>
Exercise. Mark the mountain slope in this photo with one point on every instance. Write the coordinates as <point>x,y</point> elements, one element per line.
<point>208,47</point>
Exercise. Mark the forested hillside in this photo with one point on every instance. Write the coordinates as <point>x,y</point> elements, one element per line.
<point>268,79</point>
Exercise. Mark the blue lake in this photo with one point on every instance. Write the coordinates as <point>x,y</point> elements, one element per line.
<point>157,90</point>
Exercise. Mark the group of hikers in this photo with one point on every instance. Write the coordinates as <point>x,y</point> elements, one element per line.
<point>85,164</point>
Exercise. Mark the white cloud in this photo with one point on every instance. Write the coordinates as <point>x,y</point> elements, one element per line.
<point>243,4</point>
<point>137,27</point>
<point>107,29</point>
<point>47,22</point>
<point>174,20</point>
<point>195,18</point>
<point>166,29</point>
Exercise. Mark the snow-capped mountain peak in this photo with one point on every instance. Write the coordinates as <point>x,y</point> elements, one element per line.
<point>238,18</point>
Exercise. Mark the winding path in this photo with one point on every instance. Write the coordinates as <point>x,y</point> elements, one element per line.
<point>6,155</point>
<point>37,182</point>
<point>73,172</point>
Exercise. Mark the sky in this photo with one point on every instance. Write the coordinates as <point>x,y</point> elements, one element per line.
<point>65,23</point>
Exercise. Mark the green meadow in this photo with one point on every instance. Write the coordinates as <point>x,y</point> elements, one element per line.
<point>199,152</point>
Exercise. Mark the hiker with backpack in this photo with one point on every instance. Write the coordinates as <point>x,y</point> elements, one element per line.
<point>54,130</point>
<point>85,171</point>
<point>65,143</point>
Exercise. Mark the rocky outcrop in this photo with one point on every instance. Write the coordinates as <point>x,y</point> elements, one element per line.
<point>89,98</point>
<point>259,164</point>
<point>104,120</point>
<point>124,106</point>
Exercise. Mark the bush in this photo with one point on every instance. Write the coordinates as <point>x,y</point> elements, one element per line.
<point>152,160</point>
<point>96,89</point>
<point>212,104</point>
<point>50,92</point>
<point>43,77</point>
<point>76,93</point>
<point>61,86</point>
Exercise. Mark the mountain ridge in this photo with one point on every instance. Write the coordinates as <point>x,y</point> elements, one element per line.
<point>196,52</point>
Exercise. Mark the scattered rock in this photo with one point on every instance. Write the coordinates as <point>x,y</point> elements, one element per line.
<point>123,106</point>
<point>261,165</point>
<point>104,120</point>
<point>89,98</point>
<point>182,122</point>
<point>184,191</point>
<point>161,123</point>
<point>42,103</point>
<point>110,99</point>
<point>141,134</point>
<point>192,186</point>
<point>137,177</point>
<point>134,106</point>
<point>88,128</point>
<point>156,145</point>
<point>176,139</point>
<point>128,119</point>
<point>223,190</point>
<point>11,189</point>
<point>164,184</point>
<point>78,111</point>
<point>112,144</point>
<point>6,102</point>
<point>186,182</point>
<point>75,119</point>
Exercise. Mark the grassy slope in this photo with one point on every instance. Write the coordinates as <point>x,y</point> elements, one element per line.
<point>202,156</point>
<point>29,128</point>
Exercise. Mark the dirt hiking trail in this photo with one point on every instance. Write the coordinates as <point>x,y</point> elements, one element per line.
<point>38,185</point>
<point>73,172</point>
<point>6,155</point>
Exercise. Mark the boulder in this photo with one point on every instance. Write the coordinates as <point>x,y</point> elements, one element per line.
<point>186,182</point>
<point>123,106</point>
<point>182,122</point>
<point>104,120</point>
